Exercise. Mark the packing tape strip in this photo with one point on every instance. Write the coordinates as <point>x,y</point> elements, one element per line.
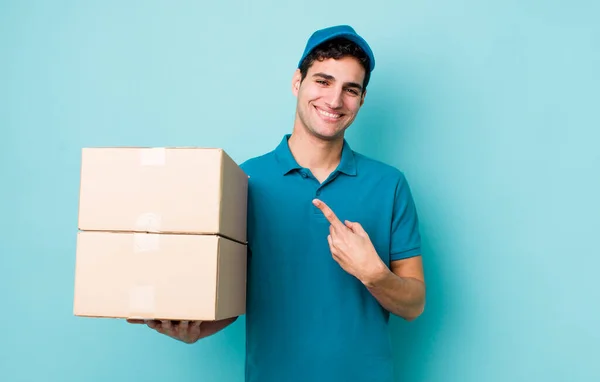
<point>146,242</point>
<point>142,302</point>
<point>153,156</point>
<point>148,222</point>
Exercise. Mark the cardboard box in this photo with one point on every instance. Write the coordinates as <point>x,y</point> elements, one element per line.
<point>163,190</point>
<point>159,276</point>
<point>162,234</point>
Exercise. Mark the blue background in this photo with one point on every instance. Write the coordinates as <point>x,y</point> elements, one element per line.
<point>490,109</point>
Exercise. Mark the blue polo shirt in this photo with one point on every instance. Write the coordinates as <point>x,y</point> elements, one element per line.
<point>307,319</point>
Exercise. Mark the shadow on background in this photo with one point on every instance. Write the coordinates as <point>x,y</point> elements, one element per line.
<point>389,130</point>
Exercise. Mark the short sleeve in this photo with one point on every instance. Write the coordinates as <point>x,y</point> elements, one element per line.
<point>405,236</point>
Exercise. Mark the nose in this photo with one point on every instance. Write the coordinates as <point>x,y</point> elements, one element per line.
<point>335,98</point>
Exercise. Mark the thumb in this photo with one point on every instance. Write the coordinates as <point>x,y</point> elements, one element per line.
<point>356,228</point>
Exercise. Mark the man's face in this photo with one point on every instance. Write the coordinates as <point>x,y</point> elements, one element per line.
<point>330,96</point>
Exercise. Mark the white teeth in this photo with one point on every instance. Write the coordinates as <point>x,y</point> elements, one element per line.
<point>328,114</point>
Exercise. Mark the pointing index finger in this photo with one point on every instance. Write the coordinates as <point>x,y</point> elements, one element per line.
<point>328,213</point>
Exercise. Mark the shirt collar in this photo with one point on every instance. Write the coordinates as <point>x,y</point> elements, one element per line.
<point>288,163</point>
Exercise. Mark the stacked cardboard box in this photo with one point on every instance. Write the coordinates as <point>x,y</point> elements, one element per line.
<point>162,234</point>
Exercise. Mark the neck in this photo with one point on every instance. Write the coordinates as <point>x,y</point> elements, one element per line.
<point>315,153</point>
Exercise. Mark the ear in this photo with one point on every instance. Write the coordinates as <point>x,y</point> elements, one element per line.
<point>362,98</point>
<point>296,79</point>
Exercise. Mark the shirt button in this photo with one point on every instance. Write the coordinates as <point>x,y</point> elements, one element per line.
<point>304,175</point>
<point>318,192</point>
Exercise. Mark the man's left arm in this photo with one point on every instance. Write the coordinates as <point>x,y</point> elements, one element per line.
<point>401,288</point>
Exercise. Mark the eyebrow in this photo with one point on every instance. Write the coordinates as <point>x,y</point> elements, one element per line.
<point>332,78</point>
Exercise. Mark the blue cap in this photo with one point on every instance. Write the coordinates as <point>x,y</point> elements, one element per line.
<point>346,31</point>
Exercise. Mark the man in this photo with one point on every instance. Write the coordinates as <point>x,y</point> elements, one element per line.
<point>333,236</point>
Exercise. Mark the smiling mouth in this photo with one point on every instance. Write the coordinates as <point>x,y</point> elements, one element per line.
<point>327,115</point>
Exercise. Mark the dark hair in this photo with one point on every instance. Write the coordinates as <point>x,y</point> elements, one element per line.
<point>337,48</point>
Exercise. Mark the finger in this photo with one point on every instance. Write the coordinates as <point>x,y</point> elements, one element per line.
<point>183,326</point>
<point>195,329</point>
<point>180,331</point>
<point>331,240</point>
<point>332,247</point>
<point>135,321</point>
<point>328,213</point>
<point>356,228</point>
<point>197,325</point>
<point>337,238</point>
<point>153,324</point>
<point>168,328</point>
<point>349,225</point>
<point>183,330</point>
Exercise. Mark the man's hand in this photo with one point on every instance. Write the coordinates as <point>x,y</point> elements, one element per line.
<point>352,248</point>
<point>184,331</point>
<point>187,331</point>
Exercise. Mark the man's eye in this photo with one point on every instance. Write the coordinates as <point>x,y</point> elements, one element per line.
<point>322,82</point>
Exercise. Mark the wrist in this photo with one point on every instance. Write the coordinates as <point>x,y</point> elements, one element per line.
<point>378,275</point>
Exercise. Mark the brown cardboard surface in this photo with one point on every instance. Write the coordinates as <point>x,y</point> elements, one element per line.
<point>162,190</point>
<point>159,276</point>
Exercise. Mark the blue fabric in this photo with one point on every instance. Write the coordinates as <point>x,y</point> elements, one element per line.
<point>307,319</point>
